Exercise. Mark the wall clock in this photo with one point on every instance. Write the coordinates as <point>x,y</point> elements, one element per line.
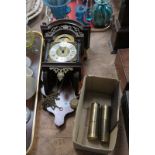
<point>66,42</point>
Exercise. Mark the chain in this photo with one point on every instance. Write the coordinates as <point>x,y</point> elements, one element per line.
<point>49,100</point>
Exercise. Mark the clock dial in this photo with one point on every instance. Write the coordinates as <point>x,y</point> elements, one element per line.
<point>62,52</point>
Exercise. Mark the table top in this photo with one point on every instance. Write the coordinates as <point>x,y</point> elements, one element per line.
<point>58,141</point>
<point>48,138</point>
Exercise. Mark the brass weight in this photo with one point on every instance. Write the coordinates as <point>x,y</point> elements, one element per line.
<point>93,122</point>
<point>105,125</point>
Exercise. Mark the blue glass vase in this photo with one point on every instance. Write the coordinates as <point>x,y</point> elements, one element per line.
<point>79,12</point>
<point>58,8</point>
<point>102,13</point>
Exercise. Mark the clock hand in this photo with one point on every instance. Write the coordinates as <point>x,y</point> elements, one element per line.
<point>62,50</point>
<point>65,48</point>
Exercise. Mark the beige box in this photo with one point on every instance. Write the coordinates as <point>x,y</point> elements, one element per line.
<point>104,91</point>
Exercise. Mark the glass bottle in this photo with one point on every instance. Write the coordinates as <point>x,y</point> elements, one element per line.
<point>102,13</point>
<point>29,36</point>
<point>59,8</point>
<point>89,5</point>
<point>79,12</point>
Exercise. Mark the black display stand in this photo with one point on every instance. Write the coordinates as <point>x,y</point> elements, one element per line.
<point>120,32</point>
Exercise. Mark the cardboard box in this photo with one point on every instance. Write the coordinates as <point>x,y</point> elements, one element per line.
<point>104,91</point>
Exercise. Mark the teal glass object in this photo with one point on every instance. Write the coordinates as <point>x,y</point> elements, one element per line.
<point>102,13</point>
<point>68,10</point>
<point>89,14</point>
<point>58,8</point>
<point>79,12</point>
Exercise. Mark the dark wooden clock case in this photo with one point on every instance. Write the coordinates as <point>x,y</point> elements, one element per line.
<point>81,36</point>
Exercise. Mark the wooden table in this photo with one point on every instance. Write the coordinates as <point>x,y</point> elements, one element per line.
<point>50,140</point>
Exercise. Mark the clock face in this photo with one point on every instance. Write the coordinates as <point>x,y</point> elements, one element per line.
<point>62,52</point>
